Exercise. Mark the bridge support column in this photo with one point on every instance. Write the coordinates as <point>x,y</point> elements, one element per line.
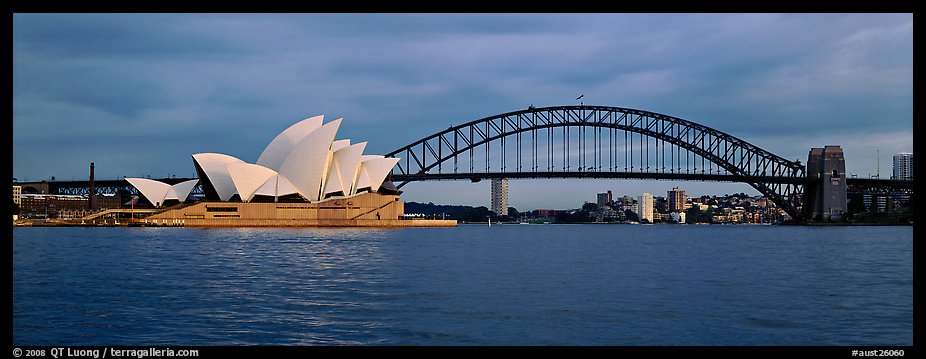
<point>825,197</point>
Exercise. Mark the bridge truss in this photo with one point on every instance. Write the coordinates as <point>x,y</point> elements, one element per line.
<point>598,142</point>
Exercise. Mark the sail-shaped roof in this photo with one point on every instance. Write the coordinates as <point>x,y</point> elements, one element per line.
<point>248,178</point>
<point>276,186</point>
<point>306,166</point>
<point>215,168</point>
<point>345,164</point>
<point>158,192</point>
<point>373,171</point>
<point>276,152</point>
<point>305,159</point>
<point>182,190</point>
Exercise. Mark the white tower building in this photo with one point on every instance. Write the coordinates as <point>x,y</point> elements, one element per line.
<point>500,196</point>
<point>645,207</point>
<point>903,166</point>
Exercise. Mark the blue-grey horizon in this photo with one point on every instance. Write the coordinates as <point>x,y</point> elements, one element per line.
<point>138,94</point>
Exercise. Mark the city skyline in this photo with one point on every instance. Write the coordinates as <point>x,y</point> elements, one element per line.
<point>149,89</point>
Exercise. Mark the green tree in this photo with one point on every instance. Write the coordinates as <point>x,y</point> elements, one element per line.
<point>631,216</point>
<point>513,214</point>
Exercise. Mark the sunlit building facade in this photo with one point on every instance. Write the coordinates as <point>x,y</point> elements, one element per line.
<point>645,207</point>
<point>676,198</point>
<point>500,196</point>
<point>304,163</point>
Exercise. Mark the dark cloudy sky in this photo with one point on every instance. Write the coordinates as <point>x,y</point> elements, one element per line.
<point>139,93</point>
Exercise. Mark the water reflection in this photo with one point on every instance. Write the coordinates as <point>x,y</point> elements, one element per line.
<point>471,285</point>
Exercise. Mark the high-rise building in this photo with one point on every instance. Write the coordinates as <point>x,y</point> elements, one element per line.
<point>626,201</point>
<point>645,207</point>
<point>903,166</point>
<point>604,199</point>
<point>500,196</point>
<point>677,199</point>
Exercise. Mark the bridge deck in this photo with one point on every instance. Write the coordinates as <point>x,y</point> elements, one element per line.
<point>398,178</point>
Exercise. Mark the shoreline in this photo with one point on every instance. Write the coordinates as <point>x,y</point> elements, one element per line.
<point>327,224</point>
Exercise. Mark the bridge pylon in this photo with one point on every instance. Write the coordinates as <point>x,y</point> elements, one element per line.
<point>825,192</point>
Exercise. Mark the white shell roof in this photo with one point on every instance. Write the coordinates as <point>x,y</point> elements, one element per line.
<point>154,191</point>
<point>276,152</point>
<point>345,164</point>
<point>276,186</point>
<point>363,181</point>
<point>305,159</point>
<point>363,177</point>
<point>216,167</point>
<point>157,192</point>
<point>182,190</point>
<point>306,166</point>
<point>375,168</point>
<point>339,144</point>
<point>248,178</point>
<point>251,180</point>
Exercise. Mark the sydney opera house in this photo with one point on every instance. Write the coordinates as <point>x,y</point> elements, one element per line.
<point>304,177</point>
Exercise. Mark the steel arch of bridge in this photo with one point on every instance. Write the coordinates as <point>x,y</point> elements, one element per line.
<point>736,160</point>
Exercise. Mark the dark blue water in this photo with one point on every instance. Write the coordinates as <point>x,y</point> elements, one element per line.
<point>471,285</point>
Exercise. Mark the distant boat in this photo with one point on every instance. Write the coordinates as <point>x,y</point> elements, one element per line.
<point>523,223</point>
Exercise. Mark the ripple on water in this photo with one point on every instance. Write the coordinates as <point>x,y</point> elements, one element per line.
<point>471,285</point>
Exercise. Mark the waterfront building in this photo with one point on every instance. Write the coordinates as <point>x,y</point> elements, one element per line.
<point>624,203</point>
<point>763,203</point>
<point>627,200</point>
<point>303,163</point>
<point>500,196</point>
<point>677,199</point>
<point>52,206</point>
<point>17,195</point>
<point>645,207</point>
<point>543,213</point>
<point>660,217</point>
<point>303,178</point>
<point>608,214</point>
<point>903,166</point>
<point>604,199</point>
<point>42,205</point>
<point>878,202</point>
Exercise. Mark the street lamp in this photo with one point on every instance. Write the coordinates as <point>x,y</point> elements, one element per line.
<point>133,208</point>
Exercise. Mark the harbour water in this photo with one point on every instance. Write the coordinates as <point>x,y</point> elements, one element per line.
<point>621,285</point>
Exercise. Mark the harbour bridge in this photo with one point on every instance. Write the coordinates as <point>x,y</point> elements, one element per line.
<point>587,141</point>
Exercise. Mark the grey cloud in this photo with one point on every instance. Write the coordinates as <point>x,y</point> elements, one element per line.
<point>177,84</point>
